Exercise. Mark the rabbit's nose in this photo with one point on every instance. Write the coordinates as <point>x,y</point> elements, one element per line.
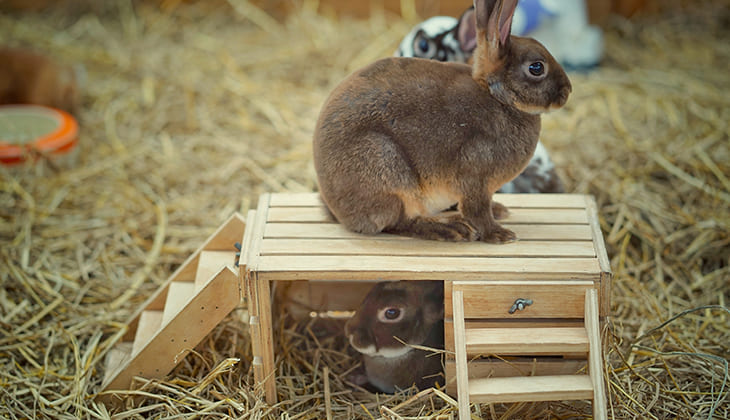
<point>562,96</point>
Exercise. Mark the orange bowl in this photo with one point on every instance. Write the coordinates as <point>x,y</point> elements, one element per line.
<point>27,131</point>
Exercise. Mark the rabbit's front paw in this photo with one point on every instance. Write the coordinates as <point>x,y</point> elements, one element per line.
<point>459,230</point>
<point>452,228</point>
<point>498,235</point>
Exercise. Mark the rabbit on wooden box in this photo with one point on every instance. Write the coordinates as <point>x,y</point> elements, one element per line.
<point>562,26</point>
<point>403,139</point>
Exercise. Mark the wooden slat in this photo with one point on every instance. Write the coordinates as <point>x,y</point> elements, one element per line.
<point>526,341</point>
<point>592,215</point>
<point>178,294</point>
<point>249,258</point>
<point>550,299</point>
<point>300,298</point>
<point>244,256</point>
<point>299,215</point>
<point>525,232</point>
<point>210,263</point>
<point>259,292</point>
<point>254,328</point>
<point>462,374</point>
<point>558,201</point>
<point>246,240</point>
<point>257,233</point>
<point>509,200</point>
<point>384,247</point>
<point>295,199</point>
<point>600,246</point>
<point>149,323</point>
<point>247,247</point>
<point>507,323</point>
<point>531,388</point>
<point>513,366</point>
<point>267,339</point>
<point>595,359</point>
<point>349,268</point>
<point>516,215</point>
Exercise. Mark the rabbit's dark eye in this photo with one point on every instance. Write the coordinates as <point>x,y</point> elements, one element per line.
<point>537,68</point>
<point>423,45</point>
<point>390,314</point>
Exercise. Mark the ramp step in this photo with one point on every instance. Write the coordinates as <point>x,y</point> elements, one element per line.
<point>531,388</point>
<point>149,323</point>
<point>210,263</point>
<point>177,295</point>
<point>527,341</point>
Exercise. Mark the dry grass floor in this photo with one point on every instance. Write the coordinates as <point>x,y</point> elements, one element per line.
<point>190,112</point>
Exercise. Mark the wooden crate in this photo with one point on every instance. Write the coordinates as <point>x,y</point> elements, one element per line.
<point>558,257</point>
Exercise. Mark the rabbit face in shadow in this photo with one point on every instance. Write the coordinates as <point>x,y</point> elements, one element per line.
<point>392,318</point>
<point>394,314</point>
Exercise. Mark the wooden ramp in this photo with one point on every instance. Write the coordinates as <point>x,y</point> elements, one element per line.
<point>196,297</point>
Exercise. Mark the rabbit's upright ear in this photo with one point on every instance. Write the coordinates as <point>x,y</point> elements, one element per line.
<point>466,31</point>
<point>494,21</point>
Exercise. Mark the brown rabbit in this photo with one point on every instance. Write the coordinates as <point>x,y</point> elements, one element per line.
<point>394,313</point>
<point>27,77</point>
<point>403,139</point>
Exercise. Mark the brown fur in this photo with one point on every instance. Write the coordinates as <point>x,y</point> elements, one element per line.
<point>402,139</point>
<point>422,324</point>
<point>29,78</point>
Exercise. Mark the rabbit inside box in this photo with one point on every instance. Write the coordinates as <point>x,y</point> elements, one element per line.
<point>389,325</point>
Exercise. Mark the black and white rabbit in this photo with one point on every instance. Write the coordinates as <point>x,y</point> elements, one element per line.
<point>436,38</point>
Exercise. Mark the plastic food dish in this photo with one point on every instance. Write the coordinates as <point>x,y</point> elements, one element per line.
<point>28,131</point>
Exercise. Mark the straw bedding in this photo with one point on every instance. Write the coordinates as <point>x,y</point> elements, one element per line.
<point>191,111</point>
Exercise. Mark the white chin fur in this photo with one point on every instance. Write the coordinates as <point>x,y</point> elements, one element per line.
<point>387,353</point>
